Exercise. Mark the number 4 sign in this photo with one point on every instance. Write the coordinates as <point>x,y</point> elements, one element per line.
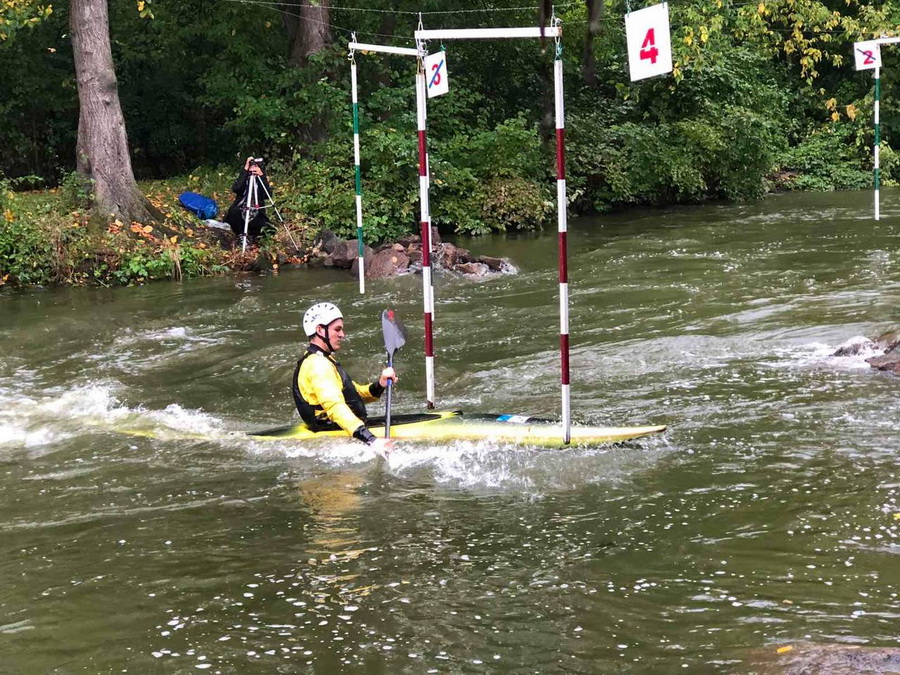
<point>649,42</point>
<point>436,79</point>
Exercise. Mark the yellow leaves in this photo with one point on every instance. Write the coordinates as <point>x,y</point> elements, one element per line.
<point>897,516</point>
<point>835,116</point>
<point>3,279</point>
<point>761,9</point>
<point>704,34</point>
<point>688,40</point>
<point>9,216</point>
<point>785,649</point>
<point>147,229</point>
<point>143,8</point>
<point>174,239</point>
<point>268,24</point>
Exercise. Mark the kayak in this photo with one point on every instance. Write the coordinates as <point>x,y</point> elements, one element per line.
<point>455,425</point>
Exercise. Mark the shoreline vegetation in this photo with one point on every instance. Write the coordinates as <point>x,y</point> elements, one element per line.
<point>55,238</point>
<point>762,97</point>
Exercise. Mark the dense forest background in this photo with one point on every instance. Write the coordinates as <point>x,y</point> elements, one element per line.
<point>764,96</point>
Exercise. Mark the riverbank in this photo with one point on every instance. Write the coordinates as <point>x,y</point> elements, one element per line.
<point>51,237</point>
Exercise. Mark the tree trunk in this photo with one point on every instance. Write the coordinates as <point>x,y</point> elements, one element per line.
<point>595,10</point>
<point>308,29</point>
<point>102,146</point>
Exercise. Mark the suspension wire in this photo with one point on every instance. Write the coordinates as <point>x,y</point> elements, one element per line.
<point>355,8</point>
<point>275,5</point>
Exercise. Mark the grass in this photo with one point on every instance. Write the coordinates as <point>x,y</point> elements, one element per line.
<point>49,237</point>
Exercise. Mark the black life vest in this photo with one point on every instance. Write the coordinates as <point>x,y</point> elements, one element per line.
<point>314,415</point>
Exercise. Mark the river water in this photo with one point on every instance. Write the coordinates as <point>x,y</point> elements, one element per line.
<point>139,532</point>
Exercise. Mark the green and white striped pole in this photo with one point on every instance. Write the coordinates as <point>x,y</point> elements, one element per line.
<point>359,218</point>
<point>876,151</point>
<point>354,47</point>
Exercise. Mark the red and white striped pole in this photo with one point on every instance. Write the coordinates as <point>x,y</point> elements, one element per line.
<point>425,221</point>
<point>563,243</point>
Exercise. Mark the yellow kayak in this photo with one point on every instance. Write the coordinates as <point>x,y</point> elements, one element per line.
<point>455,425</point>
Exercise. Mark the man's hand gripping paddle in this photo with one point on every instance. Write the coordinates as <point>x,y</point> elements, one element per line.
<point>394,339</point>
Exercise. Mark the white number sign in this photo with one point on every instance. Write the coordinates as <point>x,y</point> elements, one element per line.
<point>867,55</point>
<point>436,74</point>
<point>649,42</point>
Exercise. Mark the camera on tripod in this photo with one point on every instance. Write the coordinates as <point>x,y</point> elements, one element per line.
<point>257,161</point>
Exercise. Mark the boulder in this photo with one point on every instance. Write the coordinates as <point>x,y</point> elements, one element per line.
<point>345,253</point>
<point>387,263</point>
<point>889,362</point>
<point>494,264</point>
<point>889,340</point>
<point>474,269</point>
<point>854,346</point>
<point>325,243</point>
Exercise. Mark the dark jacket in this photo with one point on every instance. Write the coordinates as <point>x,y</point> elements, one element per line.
<point>235,214</point>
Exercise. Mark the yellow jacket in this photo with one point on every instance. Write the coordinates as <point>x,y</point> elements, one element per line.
<point>329,394</point>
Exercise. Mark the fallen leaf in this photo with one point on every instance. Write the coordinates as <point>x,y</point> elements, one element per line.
<point>782,650</point>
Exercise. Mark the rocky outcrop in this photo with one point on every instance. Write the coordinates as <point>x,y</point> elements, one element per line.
<point>888,343</point>
<point>402,257</point>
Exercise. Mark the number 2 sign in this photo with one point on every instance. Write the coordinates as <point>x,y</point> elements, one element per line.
<point>649,42</point>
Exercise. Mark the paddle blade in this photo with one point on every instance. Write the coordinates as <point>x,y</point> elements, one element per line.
<point>394,332</point>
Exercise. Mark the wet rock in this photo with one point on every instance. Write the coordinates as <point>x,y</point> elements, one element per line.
<point>494,264</point>
<point>474,269</point>
<point>889,362</point>
<point>402,256</point>
<point>812,659</point>
<point>854,346</point>
<point>888,341</point>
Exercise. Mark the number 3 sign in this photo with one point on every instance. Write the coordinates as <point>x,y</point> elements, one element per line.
<point>649,43</point>
<point>436,79</point>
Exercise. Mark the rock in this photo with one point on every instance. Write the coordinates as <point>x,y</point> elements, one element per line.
<point>409,240</point>
<point>344,253</point>
<point>889,362</point>
<point>854,346</point>
<point>474,269</point>
<point>494,264</point>
<point>415,257</point>
<point>368,254</point>
<point>833,659</point>
<point>888,341</point>
<point>325,243</point>
<point>449,256</point>
<point>386,263</point>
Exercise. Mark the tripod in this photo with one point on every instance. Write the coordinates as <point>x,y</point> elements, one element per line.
<point>252,207</point>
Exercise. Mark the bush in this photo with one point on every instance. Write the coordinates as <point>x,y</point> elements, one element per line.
<point>825,160</point>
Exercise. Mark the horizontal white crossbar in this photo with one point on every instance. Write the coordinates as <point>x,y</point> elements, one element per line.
<point>407,51</point>
<point>486,33</point>
<point>887,41</point>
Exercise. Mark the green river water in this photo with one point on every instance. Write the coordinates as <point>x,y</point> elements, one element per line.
<point>139,533</point>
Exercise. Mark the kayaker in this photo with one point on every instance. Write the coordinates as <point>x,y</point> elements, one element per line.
<point>326,397</point>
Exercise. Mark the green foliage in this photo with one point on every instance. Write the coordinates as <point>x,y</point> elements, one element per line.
<point>825,160</point>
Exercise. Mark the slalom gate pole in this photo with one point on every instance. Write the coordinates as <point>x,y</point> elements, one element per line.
<point>876,151</point>
<point>425,221</point>
<point>356,171</point>
<point>363,47</point>
<point>561,204</point>
<point>554,31</point>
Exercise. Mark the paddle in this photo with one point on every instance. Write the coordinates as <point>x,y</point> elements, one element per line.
<point>394,339</point>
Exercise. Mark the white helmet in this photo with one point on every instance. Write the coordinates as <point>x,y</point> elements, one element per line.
<point>320,314</point>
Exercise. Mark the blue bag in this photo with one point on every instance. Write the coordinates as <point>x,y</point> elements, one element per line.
<point>202,207</point>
